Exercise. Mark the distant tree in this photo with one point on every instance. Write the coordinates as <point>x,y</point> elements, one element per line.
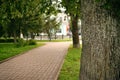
<point>50,26</point>
<point>23,16</point>
<point>73,9</point>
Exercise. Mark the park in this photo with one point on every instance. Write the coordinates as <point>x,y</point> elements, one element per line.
<point>59,40</point>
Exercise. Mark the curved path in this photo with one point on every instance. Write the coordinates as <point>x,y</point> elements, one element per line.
<point>42,63</point>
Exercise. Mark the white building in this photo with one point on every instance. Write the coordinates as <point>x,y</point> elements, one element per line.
<point>64,24</point>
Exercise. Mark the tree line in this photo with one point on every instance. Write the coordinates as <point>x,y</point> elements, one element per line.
<point>27,17</point>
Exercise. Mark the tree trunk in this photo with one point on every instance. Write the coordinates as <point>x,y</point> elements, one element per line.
<point>62,36</point>
<point>15,37</point>
<point>75,34</point>
<point>32,35</point>
<point>100,59</point>
<point>49,36</point>
<point>55,36</point>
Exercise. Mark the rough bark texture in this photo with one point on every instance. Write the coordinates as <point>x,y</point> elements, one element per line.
<point>75,34</point>
<point>100,58</point>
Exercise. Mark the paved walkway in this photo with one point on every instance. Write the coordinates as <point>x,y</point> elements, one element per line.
<point>42,63</point>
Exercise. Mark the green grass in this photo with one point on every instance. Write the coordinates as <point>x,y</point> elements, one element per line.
<point>8,50</point>
<point>71,66</point>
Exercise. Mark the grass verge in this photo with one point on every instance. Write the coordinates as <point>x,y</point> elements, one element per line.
<point>71,66</point>
<point>8,50</point>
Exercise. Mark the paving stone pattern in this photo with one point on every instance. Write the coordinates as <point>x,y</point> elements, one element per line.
<point>41,63</point>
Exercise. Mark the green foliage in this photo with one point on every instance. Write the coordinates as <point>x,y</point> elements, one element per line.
<point>97,0</point>
<point>8,40</point>
<point>72,7</point>
<point>50,26</point>
<point>24,16</point>
<point>21,43</point>
<point>70,68</point>
<point>32,42</point>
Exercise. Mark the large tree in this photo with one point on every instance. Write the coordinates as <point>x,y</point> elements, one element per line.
<point>100,59</point>
<point>23,16</point>
<point>16,15</point>
<point>73,9</point>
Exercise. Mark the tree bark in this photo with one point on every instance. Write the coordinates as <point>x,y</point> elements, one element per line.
<point>75,34</point>
<point>32,35</point>
<point>15,37</point>
<point>100,59</point>
<point>49,35</point>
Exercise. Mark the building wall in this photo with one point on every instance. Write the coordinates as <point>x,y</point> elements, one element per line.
<point>64,26</point>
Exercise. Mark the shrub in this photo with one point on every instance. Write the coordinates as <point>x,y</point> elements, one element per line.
<point>21,43</point>
<point>3,40</point>
<point>9,40</point>
<point>32,42</point>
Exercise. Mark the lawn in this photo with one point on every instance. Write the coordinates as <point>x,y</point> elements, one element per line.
<point>9,49</point>
<point>71,66</point>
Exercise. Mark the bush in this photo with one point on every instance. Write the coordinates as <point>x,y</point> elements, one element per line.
<point>32,42</point>
<point>3,40</point>
<point>21,43</point>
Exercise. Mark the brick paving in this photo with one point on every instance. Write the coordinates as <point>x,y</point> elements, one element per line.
<point>41,63</point>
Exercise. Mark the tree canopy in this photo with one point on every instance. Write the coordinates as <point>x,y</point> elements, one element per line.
<point>72,6</point>
<point>24,16</point>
